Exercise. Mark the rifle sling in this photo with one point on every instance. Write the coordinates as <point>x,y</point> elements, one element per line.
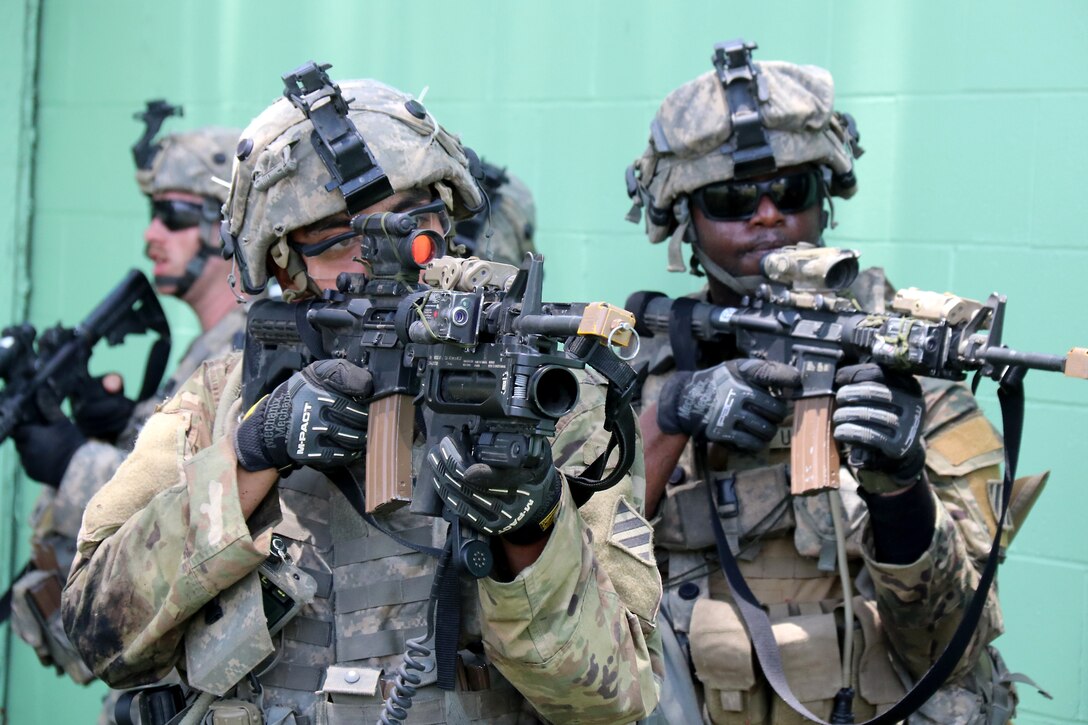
<point>1011,395</point>
<point>619,419</point>
<point>685,349</point>
<point>155,368</point>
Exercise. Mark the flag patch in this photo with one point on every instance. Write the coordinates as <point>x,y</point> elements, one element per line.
<point>632,533</point>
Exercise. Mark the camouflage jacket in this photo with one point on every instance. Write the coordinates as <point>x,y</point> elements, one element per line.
<point>57,513</point>
<point>573,633</point>
<point>904,614</point>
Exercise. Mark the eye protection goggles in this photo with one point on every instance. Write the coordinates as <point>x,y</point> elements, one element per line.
<point>729,201</point>
<point>176,214</point>
<point>432,216</point>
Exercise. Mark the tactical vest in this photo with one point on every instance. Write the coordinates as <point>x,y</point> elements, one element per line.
<point>785,547</point>
<point>336,660</point>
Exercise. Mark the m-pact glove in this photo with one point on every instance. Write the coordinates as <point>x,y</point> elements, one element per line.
<point>317,418</point>
<point>519,504</point>
<point>730,403</point>
<point>879,415</point>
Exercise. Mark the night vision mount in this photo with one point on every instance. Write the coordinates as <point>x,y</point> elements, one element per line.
<point>337,141</point>
<point>752,154</point>
<point>157,111</point>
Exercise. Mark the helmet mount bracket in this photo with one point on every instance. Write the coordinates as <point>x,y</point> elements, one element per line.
<point>157,111</point>
<point>751,151</point>
<point>338,143</point>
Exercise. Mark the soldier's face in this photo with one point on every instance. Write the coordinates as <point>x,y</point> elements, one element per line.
<point>325,267</point>
<point>171,250</point>
<point>739,245</point>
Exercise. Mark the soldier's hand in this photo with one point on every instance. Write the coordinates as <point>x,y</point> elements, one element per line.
<point>316,418</point>
<point>100,408</point>
<point>879,415</point>
<point>45,449</point>
<point>739,403</point>
<point>518,503</point>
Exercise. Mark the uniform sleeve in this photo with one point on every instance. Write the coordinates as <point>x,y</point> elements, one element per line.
<point>91,466</point>
<point>162,538</point>
<point>575,632</point>
<point>921,603</point>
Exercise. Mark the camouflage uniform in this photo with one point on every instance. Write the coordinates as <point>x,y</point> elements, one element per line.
<point>58,512</point>
<point>741,123</point>
<point>904,614</point>
<point>164,544</point>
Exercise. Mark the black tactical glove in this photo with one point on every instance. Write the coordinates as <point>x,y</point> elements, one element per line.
<point>519,504</point>
<point>730,403</point>
<point>45,449</point>
<point>316,418</point>
<point>99,413</point>
<point>879,416</point>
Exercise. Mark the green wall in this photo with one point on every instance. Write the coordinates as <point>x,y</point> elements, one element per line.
<point>18,65</point>
<point>972,114</point>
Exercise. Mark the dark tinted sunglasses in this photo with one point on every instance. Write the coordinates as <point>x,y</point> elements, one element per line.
<point>175,214</point>
<point>729,201</point>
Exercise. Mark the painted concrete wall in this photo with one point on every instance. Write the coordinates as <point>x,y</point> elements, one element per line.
<point>972,115</point>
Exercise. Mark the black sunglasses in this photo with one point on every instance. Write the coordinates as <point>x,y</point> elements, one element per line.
<point>729,201</point>
<point>176,214</point>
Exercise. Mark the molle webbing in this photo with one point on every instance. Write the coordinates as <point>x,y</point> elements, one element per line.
<point>431,706</point>
<point>323,579</point>
<point>370,548</point>
<point>304,678</point>
<point>384,593</point>
<point>376,644</point>
<point>310,631</point>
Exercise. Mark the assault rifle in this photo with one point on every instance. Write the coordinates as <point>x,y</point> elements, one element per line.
<point>801,316</point>
<point>473,345</point>
<point>40,372</point>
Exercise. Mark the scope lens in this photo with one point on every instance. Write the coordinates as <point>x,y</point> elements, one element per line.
<point>425,245</point>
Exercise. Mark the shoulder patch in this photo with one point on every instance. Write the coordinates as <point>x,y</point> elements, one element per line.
<point>631,533</point>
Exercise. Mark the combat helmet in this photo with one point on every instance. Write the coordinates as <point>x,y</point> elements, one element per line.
<point>503,230</point>
<point>327,148</point>
<point>196,162</point>
<point>742,119</point>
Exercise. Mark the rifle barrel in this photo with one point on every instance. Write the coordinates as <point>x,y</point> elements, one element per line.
<point>1033,360</point>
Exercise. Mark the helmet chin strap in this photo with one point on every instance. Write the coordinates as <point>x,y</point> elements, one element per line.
<point>743,286</point>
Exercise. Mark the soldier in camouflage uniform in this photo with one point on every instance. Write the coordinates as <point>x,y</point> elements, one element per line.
<point>503,230</point>
<point>75,459</point>
<point>167,568</point>
<point>735,178</point>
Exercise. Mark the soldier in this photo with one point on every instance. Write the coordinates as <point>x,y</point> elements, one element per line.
<point>178,174</point>
<point>503,230</point>
<point>743,160</point>
<point>173,550</point>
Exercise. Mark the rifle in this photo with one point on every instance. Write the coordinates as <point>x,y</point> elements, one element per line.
<point>801,316</point>
<point>40,372</point>
<point>472,345</point>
